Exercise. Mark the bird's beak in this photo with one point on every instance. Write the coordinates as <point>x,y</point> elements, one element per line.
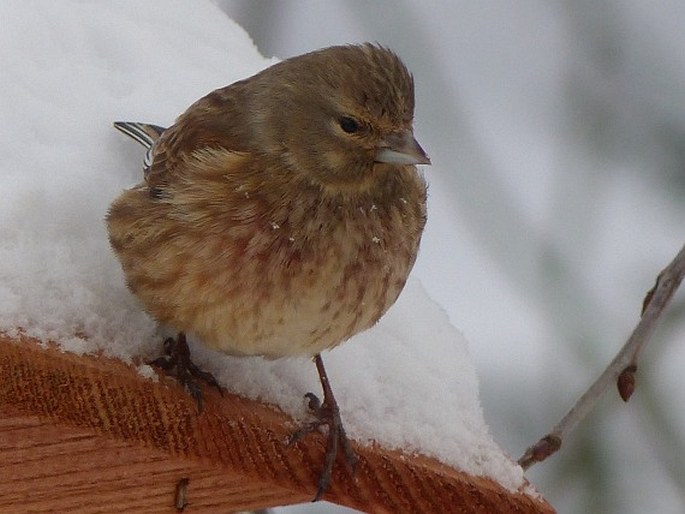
<point>401,148</point>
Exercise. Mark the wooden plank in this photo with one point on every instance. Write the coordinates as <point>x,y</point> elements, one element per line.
<point>87,434</point>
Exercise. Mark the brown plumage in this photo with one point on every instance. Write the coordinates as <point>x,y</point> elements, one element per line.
<point>280,215</point>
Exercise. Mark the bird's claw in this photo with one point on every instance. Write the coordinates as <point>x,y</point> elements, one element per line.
<point>327,414</point>
<point>177,356</point>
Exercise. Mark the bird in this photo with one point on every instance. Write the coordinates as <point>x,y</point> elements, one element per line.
<point>278,216</point>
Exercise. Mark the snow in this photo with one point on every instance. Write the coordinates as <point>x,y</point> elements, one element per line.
<point>69,70</point>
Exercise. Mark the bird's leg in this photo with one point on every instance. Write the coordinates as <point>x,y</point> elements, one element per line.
<point>327,413</point>
<point>177,357</point>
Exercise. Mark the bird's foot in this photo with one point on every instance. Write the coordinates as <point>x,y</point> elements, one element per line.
<point>177,357</point>
<point>327,414</point>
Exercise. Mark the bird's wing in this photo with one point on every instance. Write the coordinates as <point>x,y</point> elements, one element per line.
<point>216,121</point>
<point>213,122</point>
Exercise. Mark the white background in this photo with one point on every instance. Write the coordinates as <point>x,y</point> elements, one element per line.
<point>557,133</point>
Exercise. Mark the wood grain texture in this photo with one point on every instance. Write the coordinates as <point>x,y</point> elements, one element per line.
<point>88,434</point>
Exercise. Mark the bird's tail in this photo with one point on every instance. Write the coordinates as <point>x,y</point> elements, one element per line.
<point>145,133</point>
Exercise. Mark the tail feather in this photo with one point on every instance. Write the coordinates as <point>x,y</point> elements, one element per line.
<point>145,133</point>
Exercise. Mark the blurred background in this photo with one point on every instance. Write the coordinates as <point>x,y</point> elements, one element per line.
<point>557,193</point>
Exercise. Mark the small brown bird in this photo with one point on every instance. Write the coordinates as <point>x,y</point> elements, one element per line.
<point>279,215</point>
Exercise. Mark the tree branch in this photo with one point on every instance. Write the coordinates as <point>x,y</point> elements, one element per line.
<point>622,368</point>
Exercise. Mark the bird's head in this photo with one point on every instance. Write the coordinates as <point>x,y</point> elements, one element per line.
<point>342,115</point>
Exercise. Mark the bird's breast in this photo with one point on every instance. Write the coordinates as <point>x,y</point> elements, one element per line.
<point>305,278</point>
<point>255,274</point>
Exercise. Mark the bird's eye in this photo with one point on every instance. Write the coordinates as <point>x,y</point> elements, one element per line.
<point>348,124</point>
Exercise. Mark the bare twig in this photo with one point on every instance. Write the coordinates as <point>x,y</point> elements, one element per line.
<point>622,368</point>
